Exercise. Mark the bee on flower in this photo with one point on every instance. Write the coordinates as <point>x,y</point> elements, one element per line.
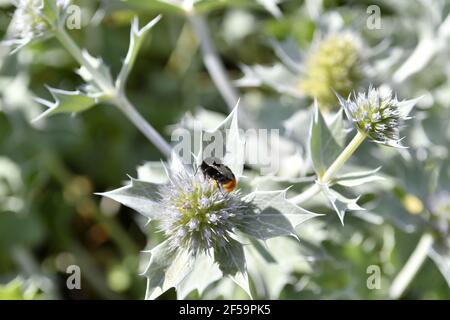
<point>205,217</point>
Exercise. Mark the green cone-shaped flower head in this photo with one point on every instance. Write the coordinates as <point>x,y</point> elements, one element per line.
<point>334,64</point>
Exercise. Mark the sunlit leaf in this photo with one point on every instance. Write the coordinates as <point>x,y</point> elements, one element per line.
<point>339,203</point>
<point>323,146</point>
<point>137,36</point>
<point>272,215</point>
<point>66,102</point>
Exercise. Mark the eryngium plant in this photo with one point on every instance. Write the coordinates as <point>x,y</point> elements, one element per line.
<point>378,114</point>
<point>204,226</point>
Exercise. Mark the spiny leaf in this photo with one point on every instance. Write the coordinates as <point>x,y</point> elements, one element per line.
<point>406,106</point>
<point>340,203</point>
<point>231,261</point>
<point>225,142</point>
<point>354,179</point>
<point>336,127</point>
<point>323,146</point>
<point>100,67</point>
<point>204,272</point>
<point>166,269</point>
<point>277,76</point>
<point>230,257</point>
<point>272,215</point>
<point>137,36</point>
<point>65,102</point>
<point>139,195</point>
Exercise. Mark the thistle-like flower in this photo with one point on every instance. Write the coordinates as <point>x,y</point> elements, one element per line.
<point>28,22</point>
<point>334,64</point>
<point>198,215</point>
<point>378,114</point>
<point>204,225</point>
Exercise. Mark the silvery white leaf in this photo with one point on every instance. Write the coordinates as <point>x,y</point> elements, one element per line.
<point>225,142</point>
<point>152,171</point>
<point>339,203</point>
<point>204,272</point>
<point>289,53</point>
<point>336,126</point>
<point>271,264</point>
<point>354,179</point>
<point>166,269</point>
<point>406,106</point>
<point>323,146</point>
<point>272,215</point>
<point>65,102</point>
<point>99,65</point>
<point>231,261</point>
<point>137,36</point>
<point>139,195</point>
<point>277,76</point>
<point>230,258</point>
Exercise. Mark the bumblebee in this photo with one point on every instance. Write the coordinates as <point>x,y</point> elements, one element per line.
<point>214,169</point>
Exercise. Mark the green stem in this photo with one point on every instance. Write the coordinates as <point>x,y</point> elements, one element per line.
<point>143,125</point>
<point>212,61</point>
<point>332,170</point>
<point>307,194</point>
<point>343,157</point>
<point>116,97</point>
<point>411,267</point>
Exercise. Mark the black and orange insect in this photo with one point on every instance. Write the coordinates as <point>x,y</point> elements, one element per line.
<point>224,177</point>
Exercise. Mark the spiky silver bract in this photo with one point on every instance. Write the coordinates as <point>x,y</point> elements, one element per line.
<point>377,114</point>
<point>199,215</point>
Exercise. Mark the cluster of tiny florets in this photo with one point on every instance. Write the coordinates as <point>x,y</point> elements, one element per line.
<point>28,21</point>
<point>377,114</point>
<point>198,214</point>
<point>334,64</point>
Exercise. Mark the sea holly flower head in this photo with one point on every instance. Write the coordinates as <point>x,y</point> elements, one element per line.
<point>33,19</point>
<point>28,22</point>
<point>205,226</point>
<point>199,215</point>
<point>378,114</point>
<point>333,64</point>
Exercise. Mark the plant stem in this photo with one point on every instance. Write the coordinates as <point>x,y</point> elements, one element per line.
<point>332,170</point>
<point>117,98</point>
<point>212,61</point>
<point>411,267</point>
<point>343,157</point>
<point>146,128</point>
<point>307,194</point>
